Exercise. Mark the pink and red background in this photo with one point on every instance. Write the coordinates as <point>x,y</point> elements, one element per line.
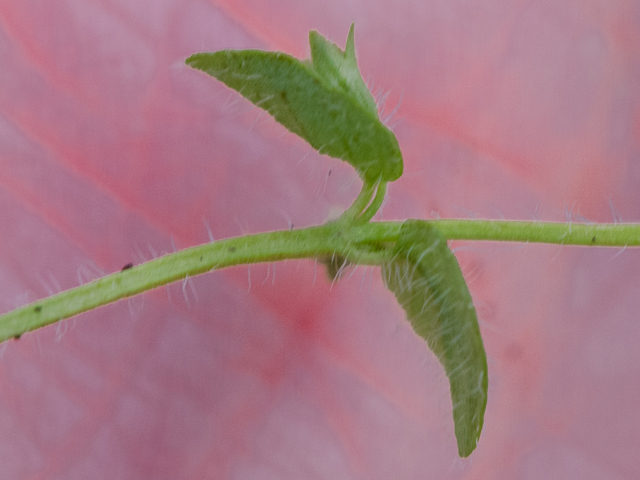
<point>112,151</point>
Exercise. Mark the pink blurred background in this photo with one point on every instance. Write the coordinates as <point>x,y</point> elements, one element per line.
<point>112,151</point>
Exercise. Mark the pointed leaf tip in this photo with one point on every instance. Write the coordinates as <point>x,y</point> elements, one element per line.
<point>350,46</point>
<point>428,283</point>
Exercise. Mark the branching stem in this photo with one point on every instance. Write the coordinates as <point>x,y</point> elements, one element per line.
<point>359,244</point>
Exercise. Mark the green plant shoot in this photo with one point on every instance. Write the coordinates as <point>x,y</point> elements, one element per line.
<point>325,101</point>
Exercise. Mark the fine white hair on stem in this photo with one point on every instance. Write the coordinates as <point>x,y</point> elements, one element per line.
<point>338,274</point>
<point>535,215</point>
<point>152,251</point>
<point>304,156</point>
<point>231,99</point>
<point>312,171</point>
<point>618,253</point>
<point>44,284</point>
<point>473,273</point>
<point>381,100</point>
<point>469,213</point>
<point>243,228</point>
<point>209,232</point>
<point>394,111</point>
<point>82,275</point>
<point>136,305</point>
<point>286,217</point>
<point>370,280</point>
<point>54,282</point>
<point>89,271</point>
<point>353,270</point>
<point>260,114</point>
<point>192,287</point>
<point>187,281</point>
<point>315,271</point>
<point>617,218</point>
<point>555,257</point>
<point>393,125</point>
<point>497,211</point>
<point>364,273</point>
<point>99,271</point>
<point>568,214</point>
<point>186,297</point>
<point>582,219</point>
<point>139,257</point>
<point>480,307</point>
<point>61,330</point>
<point>382,205</point>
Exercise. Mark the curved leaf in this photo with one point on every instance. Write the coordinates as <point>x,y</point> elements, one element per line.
<point>426,279</point>
<point>324,101</point>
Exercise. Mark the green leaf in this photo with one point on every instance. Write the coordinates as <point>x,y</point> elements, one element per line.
<point>323,100</point>
<point>428,283</point>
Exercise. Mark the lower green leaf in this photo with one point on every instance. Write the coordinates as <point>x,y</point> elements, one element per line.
<point>426,279</point>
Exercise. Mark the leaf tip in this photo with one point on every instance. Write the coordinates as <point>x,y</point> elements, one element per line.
<point>190,59</point>
<point>313,37</point>
<point>350,46</point>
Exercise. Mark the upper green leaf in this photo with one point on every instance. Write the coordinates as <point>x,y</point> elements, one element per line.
<point>324,101</point>
<point>426,279</point>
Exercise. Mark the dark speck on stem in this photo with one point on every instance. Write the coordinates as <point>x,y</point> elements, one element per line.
<point>38,308</point>
<point>127,266</point>
<point>232,249</point>
<point>17,337</point>
<point>593,240</point>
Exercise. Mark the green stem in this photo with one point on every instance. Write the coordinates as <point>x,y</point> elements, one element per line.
<point>600,235</point>
<point>577,234</point>
<point>359,204</point>
<point>375,204</point>
<point>363,244</point>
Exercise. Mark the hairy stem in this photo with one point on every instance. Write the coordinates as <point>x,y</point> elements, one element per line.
<point>375,205</point>
<point>360,244</point>
<point>359,204</point>
<point>601,235</point>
